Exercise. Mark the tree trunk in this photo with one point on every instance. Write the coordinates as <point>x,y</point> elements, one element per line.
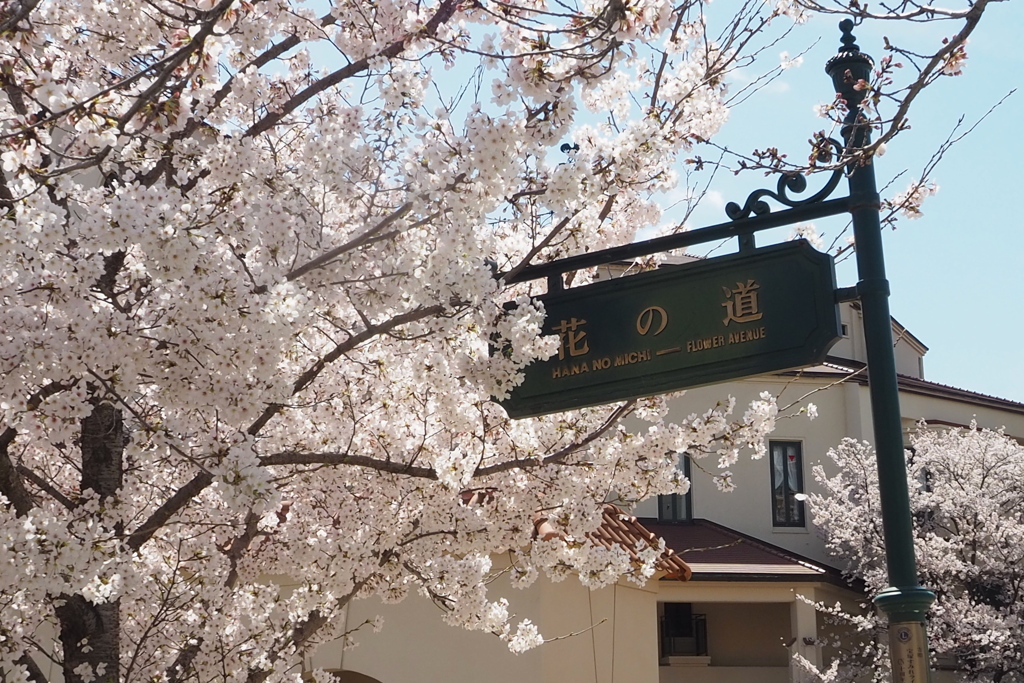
<point>102,450</point>
<point>90,633</point>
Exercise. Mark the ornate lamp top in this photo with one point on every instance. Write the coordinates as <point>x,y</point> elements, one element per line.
<point>848,68</point>
<point>849,58</point>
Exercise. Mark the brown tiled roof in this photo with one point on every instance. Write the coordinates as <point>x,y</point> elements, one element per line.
<point>617,528</point>
<point>921,386</point>
<point>914,385</point>
<point>622,529</point>
<point>715,552</point>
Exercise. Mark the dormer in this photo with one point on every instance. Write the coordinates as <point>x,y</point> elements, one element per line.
<point>908,349</point>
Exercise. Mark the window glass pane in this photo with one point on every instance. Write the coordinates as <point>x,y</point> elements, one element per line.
<point>683,633</point>
<point>787,482</point>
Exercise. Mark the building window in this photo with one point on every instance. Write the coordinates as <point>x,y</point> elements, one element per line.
<point>683,633</point>
<point>787,483</point>
<point>677,507</point>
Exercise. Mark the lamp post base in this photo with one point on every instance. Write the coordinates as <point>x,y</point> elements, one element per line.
<point>907,610</point>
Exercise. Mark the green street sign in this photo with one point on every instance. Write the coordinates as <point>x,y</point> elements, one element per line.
<point>684,326</point>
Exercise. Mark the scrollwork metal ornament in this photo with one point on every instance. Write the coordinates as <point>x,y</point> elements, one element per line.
<point>794,182</point>
<point>847,68</point>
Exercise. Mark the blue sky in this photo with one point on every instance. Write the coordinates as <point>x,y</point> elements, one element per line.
<point>955,272</point>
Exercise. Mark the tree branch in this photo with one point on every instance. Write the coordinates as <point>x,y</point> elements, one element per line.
<point>176,671</point>
<point>919,13</point>
<point>352,342</point>
<point>46,486</point>
<point>559,456</point>
<point>171,60</point>
<point>198,483</point>
<point>173,504</point>
<point>35,674</point>
<point>369,462</point>
<point>539,247</point>
<point>195,43</point>
<point>11,484</point>
<point>443,14</point>
<point>324,259</point>
<point>240,545</point>
<point>302,632</point>
<point>393,467</point>
<point>10,23</point>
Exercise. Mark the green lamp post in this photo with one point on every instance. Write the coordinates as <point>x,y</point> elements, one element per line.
<point>905,603</point>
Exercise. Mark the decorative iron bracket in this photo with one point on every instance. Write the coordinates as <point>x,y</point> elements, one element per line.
<point>755,215</point>
<point>788,182</point>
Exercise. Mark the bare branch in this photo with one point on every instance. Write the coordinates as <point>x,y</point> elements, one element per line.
<point>443,14</point>
<point>918,13</point>
<point>898,120</point>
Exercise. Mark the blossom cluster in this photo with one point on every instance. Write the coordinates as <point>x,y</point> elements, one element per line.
<point>966,502</point>
<point>269,236</point>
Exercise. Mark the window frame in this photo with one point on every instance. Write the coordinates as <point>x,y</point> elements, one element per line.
<point>680,504</point>
<point>694,629</point>
<point>792,513</point>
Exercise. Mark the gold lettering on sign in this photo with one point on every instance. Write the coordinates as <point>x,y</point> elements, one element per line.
<point>598,364</point>
<point>632,357</point>
<point>645,321</point>
<point>717,340</point>
<point>746,335</point>
<point>705,343</point>
<point>741,304</point>
<point>574,340</point>
<point>570,370</point>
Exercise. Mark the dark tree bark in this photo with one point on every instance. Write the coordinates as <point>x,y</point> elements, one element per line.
<point>102,450</point>
<point>11,484</point>
<point>90,633</point>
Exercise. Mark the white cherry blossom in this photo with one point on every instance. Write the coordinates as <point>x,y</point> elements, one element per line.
<point>966,504</point>
<point>249,306</point>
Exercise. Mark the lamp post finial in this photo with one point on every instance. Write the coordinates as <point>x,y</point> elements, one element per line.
<point>848,68</point>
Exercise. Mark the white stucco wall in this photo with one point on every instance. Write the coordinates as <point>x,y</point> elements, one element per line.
<point>844,410</point>
<point>604,636</point>
<point>749,508</point>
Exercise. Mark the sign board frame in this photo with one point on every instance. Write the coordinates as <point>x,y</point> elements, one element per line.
<point>767,310</point>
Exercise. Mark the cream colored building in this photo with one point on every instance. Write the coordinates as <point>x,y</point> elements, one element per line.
<point>755,556</point>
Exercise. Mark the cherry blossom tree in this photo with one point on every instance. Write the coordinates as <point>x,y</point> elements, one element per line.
<point>968,507</point>
<point>254,256</point>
